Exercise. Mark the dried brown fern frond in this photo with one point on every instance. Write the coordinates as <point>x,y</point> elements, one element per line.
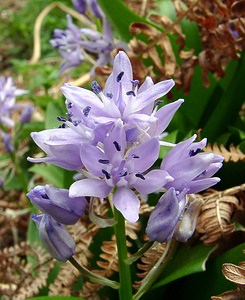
<point>148,260</point>
<point>222,32</point>
<point>235,274</point>
<point>233,154</point>
<point>83,233</point>
<point>109,264</point>
<point>215,219</point>
<point>20,279</point>
<point>141,7</point>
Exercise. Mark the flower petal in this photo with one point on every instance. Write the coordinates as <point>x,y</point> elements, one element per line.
<point>197,186</point>
<point>163,219</point>
<point>127,203</point>
<point>165,115</point>
<point>93,159</point>
<point>151,94</point>
<point>152,181</point>
<point>143,156</point>
<point>89,187</point>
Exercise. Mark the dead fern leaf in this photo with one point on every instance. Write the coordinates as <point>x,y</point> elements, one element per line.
<point>233,154</point>
<point>83,233</point>
<point>215,218</point>
<point>148,260</point>
<point>18,278</point>
<point>234,273</point>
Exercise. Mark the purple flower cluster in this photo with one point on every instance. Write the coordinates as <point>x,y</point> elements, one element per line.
<point>8,94</point>
<point>111,137</point>
<point>8,104</point>
<point>78,44</point>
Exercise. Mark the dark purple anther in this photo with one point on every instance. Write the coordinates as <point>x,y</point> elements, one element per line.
<point>86,110</point>
<point>96,87</point>
<point>129,93</point>
<point>119,76</point>
<point>117,146</point>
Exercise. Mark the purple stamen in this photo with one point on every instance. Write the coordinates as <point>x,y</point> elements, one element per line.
<point>117,146</point>
<point>104,161</point>
<point>129,93</point>
<point>96,87</point>
<point>194,152</point>
<point>86,110</point>
<point>119,76</point>
<point>139,175</point>
<point>107,175</point>
<point>62,119</point>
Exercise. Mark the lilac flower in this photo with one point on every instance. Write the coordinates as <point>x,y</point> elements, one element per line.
<point>122,99</point>
<point>114,167</point>
<point>62,146</point>
<point>82,5</point>
<point>57,203</point>
<point>55,237</point>
<point>188,221</point>
<point>8,94</point>
<point>68,43</point>
<point>165,216</point>
<point>99,43</point>
<point>26,114</point>
<point>7,140</point>
<point>190,169</point>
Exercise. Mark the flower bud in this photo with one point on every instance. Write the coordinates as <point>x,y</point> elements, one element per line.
<point>7,140</point>
<point>57,203</point>
<point>163,219</point>
<point>54,237</point>
<point>188,223</point>
<point>26,114</point>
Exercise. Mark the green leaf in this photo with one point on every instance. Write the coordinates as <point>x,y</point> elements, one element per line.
<point>53,110</point>
<point>224,104</point>
<point>171,138</point>
<point>120,16</point>
<point>52,174</point>
<point>212,282</point>
<point>187,260</point>
<point>56,298</point>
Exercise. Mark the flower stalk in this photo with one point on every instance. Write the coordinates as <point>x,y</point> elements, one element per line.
<point>156,270</point>
<point>93,277</point>
<point>125,286</point>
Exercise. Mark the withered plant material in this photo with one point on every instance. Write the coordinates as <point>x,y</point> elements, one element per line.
<point>215,220</point>
<point>230,295</point>
<point>14,218</point>
<point>222,31</point>
<point>109,264</point>
<point>20,279</point>
<point>83,233</point>
<point>141,7</point>
<point>235,274</point>
<point>233,154</point>
<point>147,261</point>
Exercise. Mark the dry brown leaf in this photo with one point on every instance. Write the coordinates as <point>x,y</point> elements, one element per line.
<point>233,154</point>
<point>234,273</point>
<point>214,221</point>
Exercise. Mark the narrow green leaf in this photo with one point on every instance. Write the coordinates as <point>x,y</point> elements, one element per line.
<point>227,104</point>
<point>212,282</point>
<point>53,110</point>
<point>54,175</point>
<point>120,16</point>
<point>187,260</point>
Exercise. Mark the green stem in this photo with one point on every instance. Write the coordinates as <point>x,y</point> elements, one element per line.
<point>156,270</point>
<point>125,287</point>
<point>92,276</point>
<point>140,252</point>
